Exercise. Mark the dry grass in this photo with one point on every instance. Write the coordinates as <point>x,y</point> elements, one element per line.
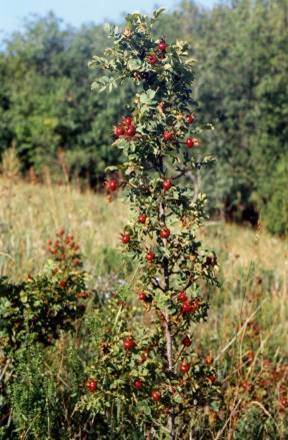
<point>31,214</point>
<point>253,272</point>
<point>253,265</point>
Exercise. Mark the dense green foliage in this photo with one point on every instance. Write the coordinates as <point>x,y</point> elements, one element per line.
<point>46,106</point>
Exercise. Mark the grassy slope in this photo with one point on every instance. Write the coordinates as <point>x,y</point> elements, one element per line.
<point>253,270</point>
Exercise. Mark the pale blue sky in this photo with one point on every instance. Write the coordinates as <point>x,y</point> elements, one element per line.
<point>75,12</point>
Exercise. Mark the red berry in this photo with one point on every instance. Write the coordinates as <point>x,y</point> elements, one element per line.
<point>142,218</point>
<point>167,135</point>
<point>184,367</point>
<point>150,256</point>
<point>155,395</point>
<point>162,46</point>
<point>131,130</point>
<point>127,120</point>
<point>165,233</point>
<point>152,59</point>
<point>138,384</point>
<point>167,184</point>
<point>118,131</point>
<point>62,284</point>
<point>187,307</point>
<point>142,296</point>
<point>212,378</point>
<point>125,238</point>
<point>111,185</point>
<point>129,343</point>
<point>186,341</point>
<point>191,142</point>
<point>182,296</point>
<point>91,385</point>
<point>189,119</point>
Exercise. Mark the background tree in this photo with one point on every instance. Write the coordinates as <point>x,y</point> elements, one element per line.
<point>242,51</point>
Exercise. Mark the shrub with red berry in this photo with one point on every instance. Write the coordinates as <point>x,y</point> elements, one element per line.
<point>36,311</point>
<point>44,304</point>
<point>158,139</point>
<point>65,250</point>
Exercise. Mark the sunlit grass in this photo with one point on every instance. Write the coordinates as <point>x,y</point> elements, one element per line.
<point>253,265</point>
<point>248,312</point>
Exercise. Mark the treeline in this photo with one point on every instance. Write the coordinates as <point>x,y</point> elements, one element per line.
<point>47,110</point>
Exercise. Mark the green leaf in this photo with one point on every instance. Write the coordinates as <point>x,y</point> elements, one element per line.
<point>134,64</point>
<point>156,14</point>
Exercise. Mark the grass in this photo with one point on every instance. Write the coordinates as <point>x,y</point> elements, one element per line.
<point>253,265</point>
<point>31,214</point>
<point>249,312</point>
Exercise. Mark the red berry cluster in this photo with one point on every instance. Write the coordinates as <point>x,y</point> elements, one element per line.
<point>159,54</point>
<point>129,344</point>
<point>188,305</point>
<point>191,142</point>
<point>64,249</point>
<point>126,128</point>
<point>91,385</point>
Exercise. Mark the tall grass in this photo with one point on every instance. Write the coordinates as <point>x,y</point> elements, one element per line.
<point>249,312</point>
<point>253,265</point>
